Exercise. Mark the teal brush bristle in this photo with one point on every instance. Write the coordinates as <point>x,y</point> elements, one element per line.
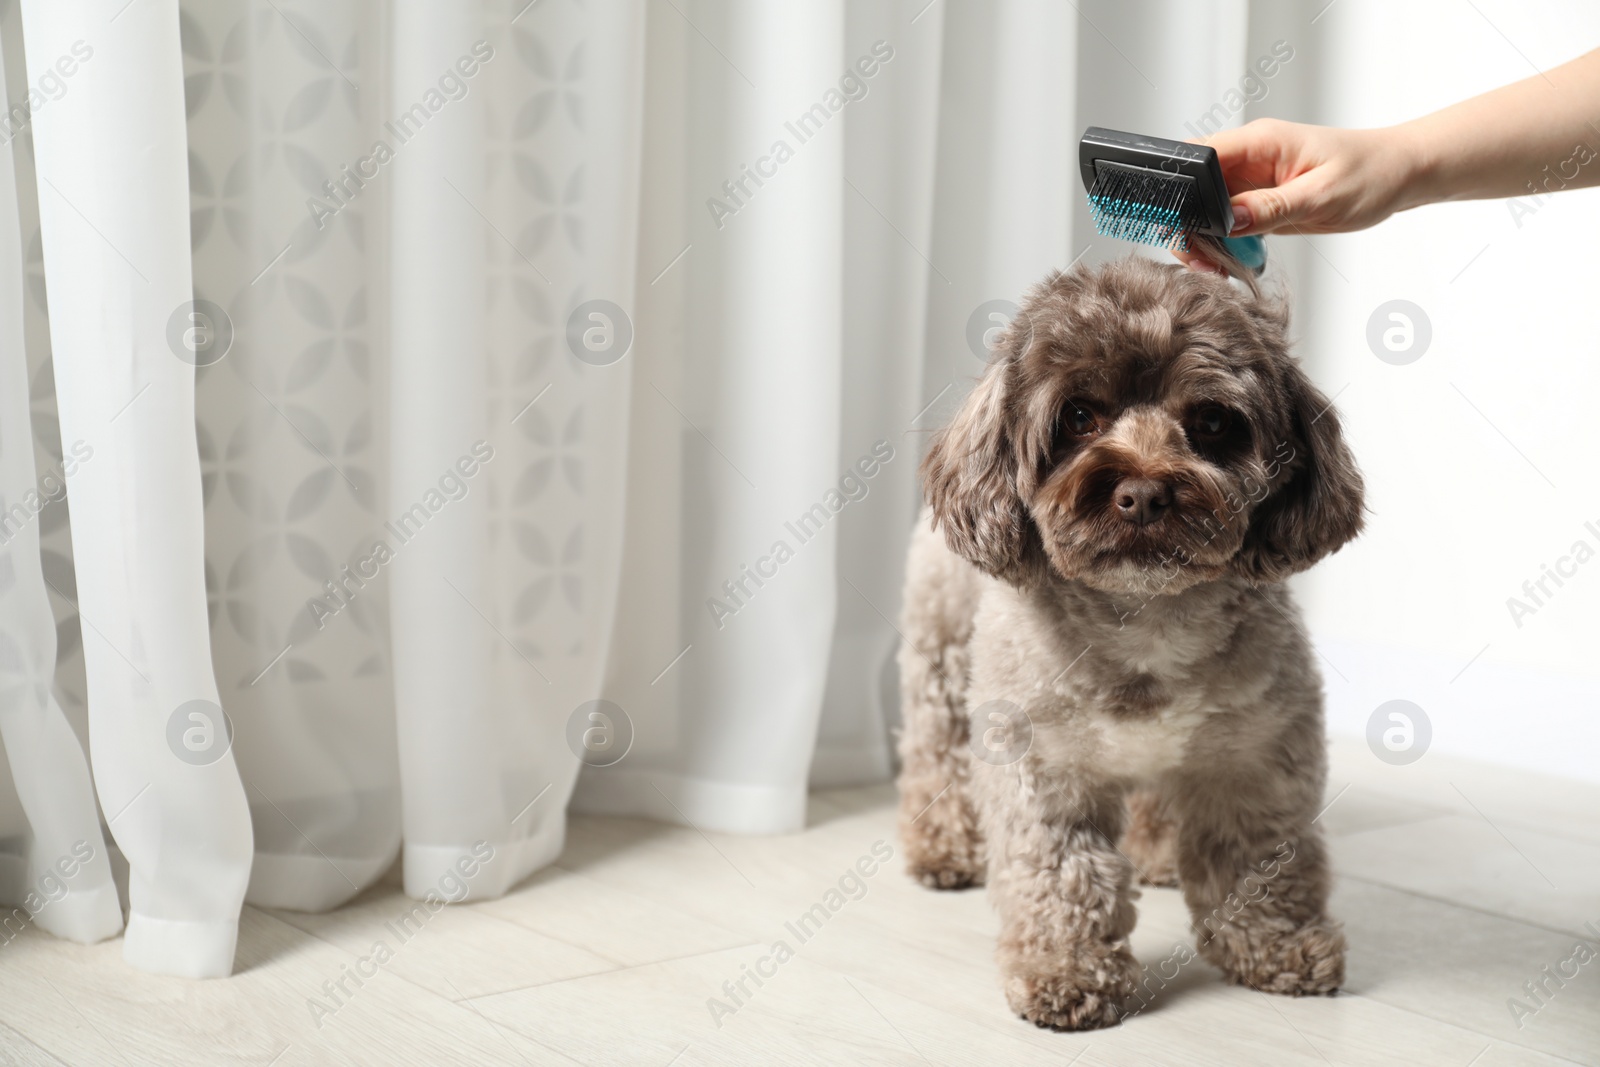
<point>1147,206</point>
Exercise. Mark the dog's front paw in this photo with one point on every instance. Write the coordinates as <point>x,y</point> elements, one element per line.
<point>1306,961</point>
<point>1086,997</point>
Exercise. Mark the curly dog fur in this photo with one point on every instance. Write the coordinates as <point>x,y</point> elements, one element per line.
<point>1104,675</point>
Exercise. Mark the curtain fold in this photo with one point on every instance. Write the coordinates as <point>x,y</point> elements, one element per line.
<point>61,876</point>
<point>888,280</point>
<point>725,713</point>
<point>289,423</point>
<point>451,744</point>
<point>114,216</point>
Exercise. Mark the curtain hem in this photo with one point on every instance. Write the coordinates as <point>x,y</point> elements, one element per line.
<point>312,883</point>
<point>485,869</point>
<point>726,807</point>
<point>86,916</point>
<point>181,948</point>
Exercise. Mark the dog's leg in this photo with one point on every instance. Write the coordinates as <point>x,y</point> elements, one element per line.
<point>1256,879</point>
<point>1064,896</point>
<point>938,824</point>
<point>1151,840</point>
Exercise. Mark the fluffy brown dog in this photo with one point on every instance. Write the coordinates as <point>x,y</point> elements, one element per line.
<point>1096,586</point>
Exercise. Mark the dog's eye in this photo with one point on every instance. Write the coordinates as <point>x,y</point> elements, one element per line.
<point>1213,421</point>
<point>1079,419</point>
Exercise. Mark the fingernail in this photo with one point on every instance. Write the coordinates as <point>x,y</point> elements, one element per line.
<point>1242,218</point>
<point>1203,266</point>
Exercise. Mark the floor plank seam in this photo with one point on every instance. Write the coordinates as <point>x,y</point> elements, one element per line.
<point>620,970</point>
<point>1464,1029</point>
<point>1453,903</point>
<point>616,969</point>
<point>1345,834</point>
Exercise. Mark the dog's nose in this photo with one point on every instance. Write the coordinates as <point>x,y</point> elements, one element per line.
<point>1142,500</point>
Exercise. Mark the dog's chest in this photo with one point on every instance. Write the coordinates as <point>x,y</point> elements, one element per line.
<point>1145,746</point>
<point>1138,701</point>
<point>1132,741</point>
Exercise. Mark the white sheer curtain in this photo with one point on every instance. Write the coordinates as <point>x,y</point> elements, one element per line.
<point>402,498</point>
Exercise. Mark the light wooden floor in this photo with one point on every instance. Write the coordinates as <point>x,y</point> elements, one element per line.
<point>1457,884</point>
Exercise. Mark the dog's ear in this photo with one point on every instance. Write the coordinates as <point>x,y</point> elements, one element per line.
<point>970,479</point>
<point>1316,506</point>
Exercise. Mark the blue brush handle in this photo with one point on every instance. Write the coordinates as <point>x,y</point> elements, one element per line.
<point>1251,251</point>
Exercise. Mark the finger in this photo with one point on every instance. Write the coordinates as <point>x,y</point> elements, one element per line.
<point>1196,262</point>
<point>1262,139</point>
<point>1257,154</point>
<point>1268,210</point>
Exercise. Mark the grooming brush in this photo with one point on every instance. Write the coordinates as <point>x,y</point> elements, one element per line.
<point>1163,193</point>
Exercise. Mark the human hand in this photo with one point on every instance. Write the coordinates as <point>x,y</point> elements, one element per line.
<point>1287,176</point>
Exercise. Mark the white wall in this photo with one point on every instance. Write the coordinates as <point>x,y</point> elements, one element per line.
<point>1465,504</point>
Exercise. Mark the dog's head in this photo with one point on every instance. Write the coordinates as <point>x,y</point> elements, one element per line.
<point>1143,428</point>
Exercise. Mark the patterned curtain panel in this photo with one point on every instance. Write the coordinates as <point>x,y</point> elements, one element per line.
<point>472,412</point>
